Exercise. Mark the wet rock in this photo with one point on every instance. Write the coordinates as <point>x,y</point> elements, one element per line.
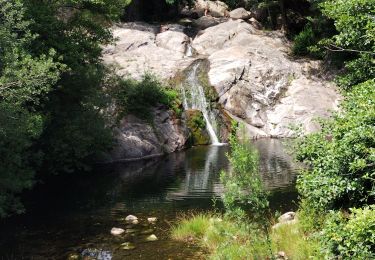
<point>117,231</point>
<point>128,246</point>
<point>152,220</point>
<point>151,238</point>
<point>240,13</point>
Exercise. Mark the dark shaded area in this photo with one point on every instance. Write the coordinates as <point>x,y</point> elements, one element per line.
<point>150,11</point>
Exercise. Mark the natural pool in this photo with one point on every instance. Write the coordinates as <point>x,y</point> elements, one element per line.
<point>75,215</point>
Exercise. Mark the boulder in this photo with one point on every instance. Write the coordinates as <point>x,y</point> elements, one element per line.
<point>127,246</point>
<point>215,8</point>
<point>136,138</point>
<point>205,22</point>
<point>286,217</point>
<point>240,13</point>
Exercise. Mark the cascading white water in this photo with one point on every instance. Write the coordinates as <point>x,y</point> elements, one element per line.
<point>197,100</point>
<point>189,51</point>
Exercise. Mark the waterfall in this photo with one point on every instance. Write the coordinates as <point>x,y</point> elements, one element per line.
<point>197,100</point>
<point>189,51</point>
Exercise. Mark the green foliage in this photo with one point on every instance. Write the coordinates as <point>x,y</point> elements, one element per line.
<point>50,81</point>
<point>294,241</point>
<point>306,43</point>
<point>18,130</point>
<point>352,237</point>
<point>342,155</point>
<point>354,20</point>
<point>138,97</point>
<point>243,186</point>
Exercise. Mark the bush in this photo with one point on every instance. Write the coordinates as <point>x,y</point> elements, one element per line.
<point>350,238</point>
<point>137,97</point>
<point>342,156</point>
<point>243,185</point>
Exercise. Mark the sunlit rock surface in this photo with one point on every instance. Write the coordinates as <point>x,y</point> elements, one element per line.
<point>258,83</point>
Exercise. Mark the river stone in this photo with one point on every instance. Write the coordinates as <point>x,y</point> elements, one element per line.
<point>152,220</point>
<point>240,13</point>
<point>117,231</point>
<point>128,246</point>
<point>131,219</point>
<point>151,238</point>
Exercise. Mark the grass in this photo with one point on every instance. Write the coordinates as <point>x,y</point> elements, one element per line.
<point>227,239</point>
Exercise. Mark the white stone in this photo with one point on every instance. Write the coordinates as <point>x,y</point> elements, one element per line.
<point>117,231</point>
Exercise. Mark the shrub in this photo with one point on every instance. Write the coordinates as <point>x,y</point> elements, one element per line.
<point>352,237</point>
<point>342,156</point>
<point>137,97</point>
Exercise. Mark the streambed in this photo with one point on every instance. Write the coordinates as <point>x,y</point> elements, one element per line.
<point>75,215</point>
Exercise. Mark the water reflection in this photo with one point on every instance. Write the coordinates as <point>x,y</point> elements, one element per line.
<point>77,213</point>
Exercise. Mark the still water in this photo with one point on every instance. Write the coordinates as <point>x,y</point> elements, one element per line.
<point>76,215</point>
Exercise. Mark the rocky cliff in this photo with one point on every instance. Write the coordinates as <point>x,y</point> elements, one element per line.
<point>257,82</point>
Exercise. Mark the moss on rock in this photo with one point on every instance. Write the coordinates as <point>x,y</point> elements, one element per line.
<point>197,126</point>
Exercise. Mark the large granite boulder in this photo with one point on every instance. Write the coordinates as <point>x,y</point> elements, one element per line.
<point>259,84</point>
<point>256,80</point>
<point>138,138</point>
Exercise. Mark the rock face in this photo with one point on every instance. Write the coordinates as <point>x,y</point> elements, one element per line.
<point>256,81</point>
<point>259,85</point>
<point>138,139</point>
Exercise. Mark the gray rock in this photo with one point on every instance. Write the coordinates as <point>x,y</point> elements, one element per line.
<point>240,13</point>
<point>205,22</point>
<point>136,138</point>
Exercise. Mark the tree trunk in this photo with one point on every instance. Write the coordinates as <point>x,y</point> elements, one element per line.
<point>284,23</point>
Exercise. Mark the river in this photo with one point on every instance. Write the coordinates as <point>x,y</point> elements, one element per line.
<point>75,214</point>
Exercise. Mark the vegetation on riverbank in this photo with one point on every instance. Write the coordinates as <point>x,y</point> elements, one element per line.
<point>336,215</point>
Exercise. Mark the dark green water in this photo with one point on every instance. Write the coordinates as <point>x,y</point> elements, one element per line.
<point>74,214</point>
